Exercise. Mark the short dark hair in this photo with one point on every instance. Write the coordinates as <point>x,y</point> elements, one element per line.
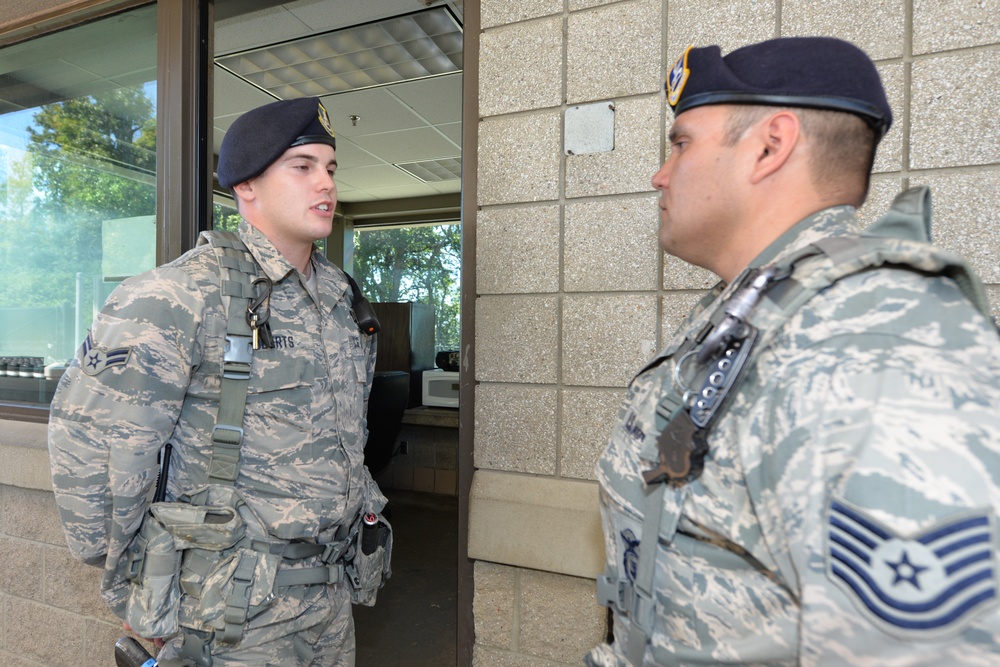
<point>844,146</point>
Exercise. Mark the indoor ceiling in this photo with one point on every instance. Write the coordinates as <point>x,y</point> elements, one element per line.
<point>395,141</point>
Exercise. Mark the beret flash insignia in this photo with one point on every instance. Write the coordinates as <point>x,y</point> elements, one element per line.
<point>678,78</point>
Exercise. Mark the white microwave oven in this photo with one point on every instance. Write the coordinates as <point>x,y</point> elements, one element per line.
<point>440,389</point>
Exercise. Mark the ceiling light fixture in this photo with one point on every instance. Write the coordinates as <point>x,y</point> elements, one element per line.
<point>404,48</point>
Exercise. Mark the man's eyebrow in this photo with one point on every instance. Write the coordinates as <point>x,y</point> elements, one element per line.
<point>308,156</point>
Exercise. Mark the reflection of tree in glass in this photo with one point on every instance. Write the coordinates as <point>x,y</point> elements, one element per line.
<point>88,160</point>
<point>97,154</point>
<point>420,264</point>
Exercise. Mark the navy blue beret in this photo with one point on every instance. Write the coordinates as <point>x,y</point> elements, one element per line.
<point>811,72</point>
<point>261,135</point>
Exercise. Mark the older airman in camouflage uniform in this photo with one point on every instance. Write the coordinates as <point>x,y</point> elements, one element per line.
<point>846,510</point>
<point>149,373</point>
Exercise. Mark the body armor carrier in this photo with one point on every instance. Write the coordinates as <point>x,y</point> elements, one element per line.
<point>205,564</point>
<point>712,362</point>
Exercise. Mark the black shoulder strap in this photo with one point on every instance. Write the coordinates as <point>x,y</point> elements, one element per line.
<point>364,314</point>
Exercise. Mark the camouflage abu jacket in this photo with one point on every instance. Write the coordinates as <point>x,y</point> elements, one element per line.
<point>848,506</point>
<point>149,373</point>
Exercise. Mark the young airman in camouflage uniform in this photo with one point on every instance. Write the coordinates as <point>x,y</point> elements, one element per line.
<point>840,507</point>
<point>149,374</point>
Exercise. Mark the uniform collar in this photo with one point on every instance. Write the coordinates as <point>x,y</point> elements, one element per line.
<point>834,221</point>
<point>330,280</point>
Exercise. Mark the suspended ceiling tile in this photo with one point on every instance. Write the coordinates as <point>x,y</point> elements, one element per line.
<point>349,156</point>
<point>409,145</point>
<point>379,111</point>
<point>438,100</point>
<point>376,176</point>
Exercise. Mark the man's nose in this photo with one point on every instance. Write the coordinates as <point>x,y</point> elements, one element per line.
<point>661,177</point>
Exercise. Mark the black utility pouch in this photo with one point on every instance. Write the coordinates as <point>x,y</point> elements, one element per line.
<point>371,565</point>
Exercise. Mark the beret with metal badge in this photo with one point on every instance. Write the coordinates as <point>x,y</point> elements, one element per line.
<point>261,135</point>
<point>810,72</point>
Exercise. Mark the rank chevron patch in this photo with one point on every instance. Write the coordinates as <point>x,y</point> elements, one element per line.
<point>94,360</point>
<point>920,587</point>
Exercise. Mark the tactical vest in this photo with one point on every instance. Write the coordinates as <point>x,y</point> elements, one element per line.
<point>209,544</point>
<point>762,301</point>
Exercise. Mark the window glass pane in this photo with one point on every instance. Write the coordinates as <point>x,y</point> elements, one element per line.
<point>77,188</point>
<point>225,216</point>
<point>419,263</point>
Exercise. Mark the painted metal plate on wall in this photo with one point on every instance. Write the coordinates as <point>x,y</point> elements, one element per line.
<point>589,128</point>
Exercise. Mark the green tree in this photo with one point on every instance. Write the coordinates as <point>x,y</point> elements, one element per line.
<point>88,160</point>
<point>97,154</point>
<point>419,264</point>
<point>225,218</point>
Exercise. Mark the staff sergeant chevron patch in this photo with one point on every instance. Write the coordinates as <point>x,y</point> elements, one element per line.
<point>920,587</point>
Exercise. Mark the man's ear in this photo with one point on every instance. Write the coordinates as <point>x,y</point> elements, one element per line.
<point>244,191</point>
<point>777,137</point>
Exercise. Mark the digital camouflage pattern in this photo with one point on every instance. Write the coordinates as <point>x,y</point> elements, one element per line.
<point>847,510</point>
<point>149,373</point>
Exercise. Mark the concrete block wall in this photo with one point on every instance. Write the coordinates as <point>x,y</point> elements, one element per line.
<point>430,462</point>
<point>51,614</point>
<point>573,293</point>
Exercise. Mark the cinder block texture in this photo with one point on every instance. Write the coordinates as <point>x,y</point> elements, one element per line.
<point>965,217</point>
<point>881,192</point>
<point>993,293</point>
<point>517,338</point>
<point>941,25</point>
<point>19,9</point>
<point>877,26</point>
<point>25,456</point>
<point>606,338</point>
<point>484,656</point>
<point>575,5</point>
<point>30,514</point>
<point>679,275</point>
<point>100,641</point>
<point>556,521</point>
<point>519,158</point>
<point>614,51</point>
<point>515,428</point>
<point>29,559</point>
<point>517,250</point>
<point>585,422</point>
<point>889,156</point>
<point>10,660</point>
<point>953,110</point>
<point>30,627</point>
<point>724,22</point>
<point>73,586</point>
<point>560,617</point>
<point>676,308</point>
<point>610,245</point>
<point>520,67</point>
<point>502,12</point>
<point>634,160</point>
<point>493,604</point>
